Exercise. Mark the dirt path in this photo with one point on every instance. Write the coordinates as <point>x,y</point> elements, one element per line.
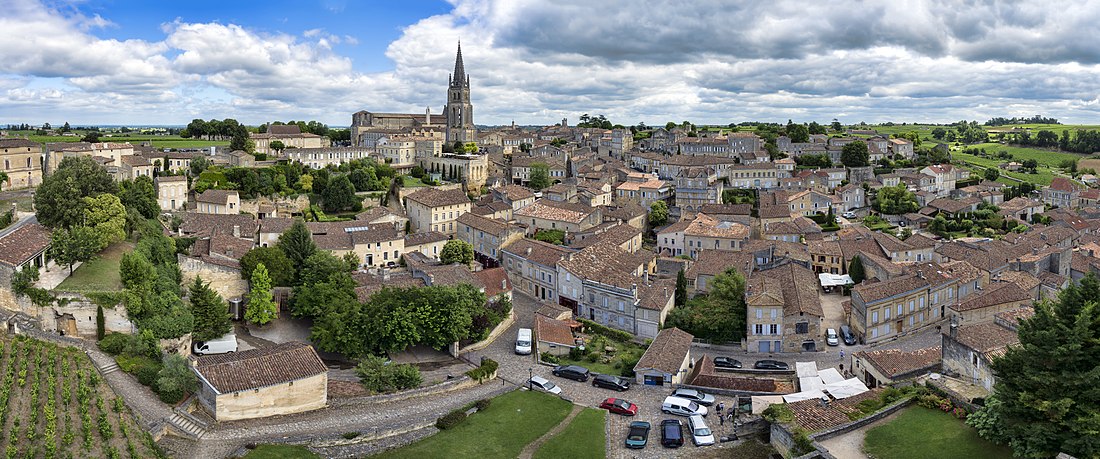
<point>850,445</point>
<point>529,450</point>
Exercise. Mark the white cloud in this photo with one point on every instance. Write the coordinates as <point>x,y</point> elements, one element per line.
<point>536,62</point>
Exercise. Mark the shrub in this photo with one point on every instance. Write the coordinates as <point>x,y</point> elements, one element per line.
<point>577,353</point>
<point>487,368</point>
<point>550,358</point>
<point>350,435</point>
<point>592,357</point>
<point>482,404</point>
<point>406,377</point>
<point>629,362</point>
<point>378,375</point>
<point>113,343</point>
<point>451,419</point>
<point>612,333</point>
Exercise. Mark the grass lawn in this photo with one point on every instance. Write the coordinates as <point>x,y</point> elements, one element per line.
<point>412,182</point>
<point>583,438</point>
<point>918,430</point>
<point>606,361</point>
<point>280,452</point>
<point>511,422</point>
<point>23,203</point>
<point>100,274</point>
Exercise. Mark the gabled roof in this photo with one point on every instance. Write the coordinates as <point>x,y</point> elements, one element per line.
<point>667,351</point>
<point>543,253</point>
<point>793,283</point>
<point>216,196</point>
<point>257,368</point>
<point>995,294</point>
<point>553,331</point>
<point>880,290</point>
<point>22,243</point>
<point>895,362</point>
<point>434,197</point>
<point>1064,185</point>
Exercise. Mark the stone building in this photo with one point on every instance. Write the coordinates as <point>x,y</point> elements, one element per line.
<point>283,379</point>
<point>22,245</point>
<point>225,202</point>
<point>486,235</point>
<point>532,267</point>
<point>290,135</point>
<point>667,360</point>
<point>433,209</point>
<point>459,110</point>
<point>889,366</point>
<point>784,312</point>
<point>968,350</point>
<point>23,161</point>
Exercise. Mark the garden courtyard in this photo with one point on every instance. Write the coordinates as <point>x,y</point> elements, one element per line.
<point>914,432</point>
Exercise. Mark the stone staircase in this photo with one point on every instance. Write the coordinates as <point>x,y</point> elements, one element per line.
<point>113,367</point>
<point>188,425</point>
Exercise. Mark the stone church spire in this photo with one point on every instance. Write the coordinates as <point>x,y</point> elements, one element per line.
<point>459,78</point>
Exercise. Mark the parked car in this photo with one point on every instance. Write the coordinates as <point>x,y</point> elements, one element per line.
<point>619,406</point>
<point>523,341</point>
<point>701,398</point>
<point>574,372</point>
<point>831,338</point>
<point>682,407</point>
<point>848,214</point>
<point>847,335</point>
<point>700,433</point>
<point>638,435</point>
<point>672,433</point>
<point>726,362</point>
<point>223,345</point>
<point>611,382</point>
<point>770,365</point>
<point>543,384</point>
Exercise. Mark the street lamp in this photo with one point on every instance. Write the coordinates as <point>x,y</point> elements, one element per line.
<point>530,374</point>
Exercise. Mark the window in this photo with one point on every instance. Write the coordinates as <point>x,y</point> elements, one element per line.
<point>910,321</point>
<point>621,306</point>
<point>950,292</point>
<point>759,313</point>
<point>758,329</point>
<point>922,302</point>
<point>775,329</point>
<point>874,333</point>
<point>802,327</point>
<point>900,310</point>
<point>887,313</point>
<point>874,317</point>
<point>886,328</point>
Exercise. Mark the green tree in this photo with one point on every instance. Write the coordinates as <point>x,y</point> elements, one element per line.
<point>261,305</point>
<point>855,154</point>
<point>140,195</point>
<point>991,174</point>
<point>297,244</point>
<point>855,270</point>
<point>58,201</point>
<point>70,246</point>
<point>457,251</point>
<point>241,142</point>
<point>540,176</point>
<point>198,165</point>
<point>175,379</point>
<point>837,127</point>
<point>939,133</point>
<point>100,323</point>
<point>658,214</point>
<point>718,316</point>
<point>278,265</point>
<point>681,288</point>
<point>209,310</point>
<point>816,128</point>
<point>340,195</point>
<point>798,133</point>
<point>322,265</point>
<point>378,375</point>
<point>1045,401</point>
<point>91,137</point>
<point>895,200</point>
<point>3,179</point>
<point>277,145</point>
<point>106,215</point>
<point>305,183</point>
<point>136,271</point>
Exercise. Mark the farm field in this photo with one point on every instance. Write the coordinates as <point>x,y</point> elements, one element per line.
<point>53,403</point>
<point>158,141</point>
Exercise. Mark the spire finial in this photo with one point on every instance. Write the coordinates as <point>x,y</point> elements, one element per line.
<point>458,79</point>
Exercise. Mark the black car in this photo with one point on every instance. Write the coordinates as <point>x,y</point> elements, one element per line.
<point>726,362</point>
<point>611,382</point>
<point>847,335</point>
<point>770,365</point>
<point>574,372</point>
<point>672,433</point>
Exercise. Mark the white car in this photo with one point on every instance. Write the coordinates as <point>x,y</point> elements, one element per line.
<point>831,338</point>
<point>682,407</point>
<point>848,214</point>
<point>540,383</point>
<point>700,433</point>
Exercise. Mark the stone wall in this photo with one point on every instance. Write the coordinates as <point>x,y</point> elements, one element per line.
<point>294,397</point>
<point>224,280</point>
<point>82,310</point>
<point>284,205</point>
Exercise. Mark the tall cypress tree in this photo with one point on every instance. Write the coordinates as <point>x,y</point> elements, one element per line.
<point>855,270</point>
<point>209,310</point>
<point>681,288</point>
<point>261,305</point>
<point>297,244</point>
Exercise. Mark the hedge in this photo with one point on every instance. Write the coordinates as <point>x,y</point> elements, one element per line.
<point>612,333</point>
<point>487,368</point>
<point>451,419</point>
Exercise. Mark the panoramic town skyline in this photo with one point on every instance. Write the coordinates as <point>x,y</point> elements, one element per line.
<point>537,62</point>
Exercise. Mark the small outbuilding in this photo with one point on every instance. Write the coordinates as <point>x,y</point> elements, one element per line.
<point>554,336</point>
<point>668,359</point>
<point>283,379</point>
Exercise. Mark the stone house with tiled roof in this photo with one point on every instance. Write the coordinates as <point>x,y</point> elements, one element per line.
<point>200,224</point>
<point>515,196</point>
<point>434,209</point>
<point>225,202</point>
<point>710,263</point>
<point>283,379</point>
<point>826,257</point>
<point>992,300</point>
<point>889,366</point>
<point>623,235</point>
<point>372,245</point>
<point>893,307</point>
<point>613,287</point>
<point>1063,192</point>
<point>171,192</point>
<point>784,311</point>
<point>134,166</point>
<point>532,266</point>
<point>22,245</point>
<point>544,214</point>
<point>23,161</point>
<point>486,235</point>
<point>667,360</point>
<point>643,189</point>
<point>553,336</point>
<point>968,350</point>
<point>427,243</point>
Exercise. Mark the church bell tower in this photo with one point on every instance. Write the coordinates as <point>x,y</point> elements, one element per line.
<point>459,111</point>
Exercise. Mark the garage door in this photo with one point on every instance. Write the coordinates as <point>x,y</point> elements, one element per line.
<point>652,380</point>
<point>765,346</point>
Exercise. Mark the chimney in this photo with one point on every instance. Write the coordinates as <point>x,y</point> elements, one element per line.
<point>1034,250</point>
<point>504,284</point>
<point>427,116</point>
<point>645,276</point>
<point>236,230</point>
<point>528,251</point>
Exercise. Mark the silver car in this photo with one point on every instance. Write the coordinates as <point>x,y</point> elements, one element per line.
<point>700,433</point>
<point>540,383</point>
<point>701,398</point>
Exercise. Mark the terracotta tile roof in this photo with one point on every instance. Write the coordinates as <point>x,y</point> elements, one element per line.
<point>895,362</point>
<point>961,271</point>
<point>549,210</point>
<point>604,263</point>
<point>424,237</point>
<point>375,213</point>
<point>197,224</point>
<point>616,234</point>
<point>170,179</point>
<point>830,248</point>
<point>488,225</point>
<point>706,376</point>
<point>18,143</point>
<point>22,243</point>
<point>655,295</point>
<point>993,295</point>
<point>553,310</point>
<point>216,196</point>
<point>135,161</point>
<point>871,293</point>
<point>954,206</point>
<point>706,226</point>
<point>256,368</point>
<point>1020,203</point>
<point>553,331</point>
<point>988,259</point>
<point>494,280</point>
<point>275,225</point>
<point>677,227</point>
<point>1016,315</point>
<point>727,209</point>
<point>985,337</point>
<point>434,197</point>
<point>514,192</point>
<point>709,262</point>
<point>369,284</point>
<point>490,208</point>
<point>794,285</point>
<point>1064,185</point>
<point>543,253</point>
<point>667,351</point>
<point>624,212</point>
<point>1024,280</point>
<point>812,416</point>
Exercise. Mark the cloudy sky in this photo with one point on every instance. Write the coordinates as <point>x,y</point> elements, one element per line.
<point>536,62</point>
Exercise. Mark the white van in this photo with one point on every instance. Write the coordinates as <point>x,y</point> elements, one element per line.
<point>523,341</point>
<point>700,433</point>
<point>223,345</point>
<point>682,407</point>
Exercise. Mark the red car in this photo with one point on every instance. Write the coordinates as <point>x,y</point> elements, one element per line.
<point>619,406</point>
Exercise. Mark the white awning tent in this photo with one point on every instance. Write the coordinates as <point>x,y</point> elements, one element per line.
<point>762,402</point>
<point>834,280</point>
<point>804,395</point>
<point>830,376</point>
<point>846,388</point>
<point>811,383</point>
<point>805,369</point>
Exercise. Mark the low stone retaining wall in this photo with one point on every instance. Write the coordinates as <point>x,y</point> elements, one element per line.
<point>493,335</point>
<point>461,382</point>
